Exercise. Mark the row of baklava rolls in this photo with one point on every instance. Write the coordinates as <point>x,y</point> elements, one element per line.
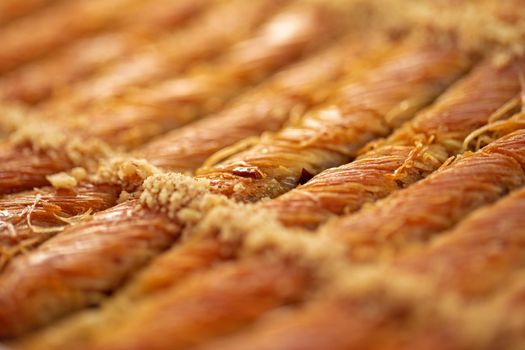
<point>377,153</point>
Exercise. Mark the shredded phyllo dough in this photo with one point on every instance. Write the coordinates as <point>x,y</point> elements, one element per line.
<point>404,80</point>
<point>263,174</point>
<point>412,152</point>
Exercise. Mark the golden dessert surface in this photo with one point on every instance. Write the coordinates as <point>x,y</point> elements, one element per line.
<point>263,174</point>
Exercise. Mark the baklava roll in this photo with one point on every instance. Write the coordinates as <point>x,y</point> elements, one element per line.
<point>501,165</point>
<point>424,69</point>
<point>29,218</point>
<point>267,107</point>
<point>223,25</point>
<point>35,36</point>
<point>175,102</point>
<point>434,204</point>
<point>411,153</point>
<point>43,78</point>
<point>74,267</point>
<point>379,99</point>
<point>466,263</point>
<point>122,123</point>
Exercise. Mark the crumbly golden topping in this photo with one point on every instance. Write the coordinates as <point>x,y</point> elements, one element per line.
<point>62,180</point>
<point>259,231</point>
<point>12,117</point>
<point>473,24</point>
<point>54,140</point>
<point>126,171</point>
<point>181,197</point>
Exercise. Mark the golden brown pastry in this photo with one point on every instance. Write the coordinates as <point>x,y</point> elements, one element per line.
<point>40,80</point>
<point>58,25</point>
<point>405,80</point>
<point>66,297</point>
<point>359,171</point>
<point>411,153</point>
<point>267,107</point>
<point>413,307</point>
<point>12,9</point>
<point>169,55</point>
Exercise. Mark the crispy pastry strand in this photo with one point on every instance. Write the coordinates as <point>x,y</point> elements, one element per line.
<point>411,153</point>
<point>435,203</point>
<point>480,254</point>
<point>364,109</point>
<point>23,167</point>
<point>29,218</point>
<point>83,264</point>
